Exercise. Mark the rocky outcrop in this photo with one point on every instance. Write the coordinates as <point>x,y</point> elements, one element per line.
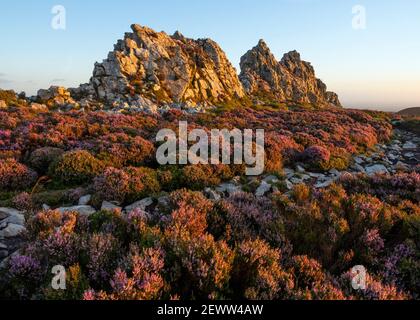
<point>153,71</point>
<point>149,67</point>
<point>55,97</point>
<point>12,223</point>
<point>288,80</point>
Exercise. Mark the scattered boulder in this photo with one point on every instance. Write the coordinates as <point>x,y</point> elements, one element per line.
<point>409,145</point>
<point>377,168</point>
<point>55,97</point>
<point>37,107</point>
<point>300,169</point>
<point>289,185</point>
<point>82,210</point>
<point>83,201</point>
<point>12,230</point>
<point>228,188</point>
<point>263,189</point>
<point>325,184</point>
<point>211,194</point>
<point>9,215</point>
<point>108,206</point>
<point>271,179</point>
<point>142,204</point>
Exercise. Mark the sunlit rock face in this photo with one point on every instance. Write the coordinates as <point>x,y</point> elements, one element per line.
<point>289,80</point>
<point>156,67</point>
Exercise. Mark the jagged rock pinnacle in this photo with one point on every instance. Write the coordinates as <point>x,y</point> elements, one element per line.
<point>289,80</point>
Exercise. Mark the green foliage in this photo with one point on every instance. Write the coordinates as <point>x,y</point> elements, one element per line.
<point>76,167</point>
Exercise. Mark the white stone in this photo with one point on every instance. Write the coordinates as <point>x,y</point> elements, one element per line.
<point>12,230</point>
<point>108,206</point>
<point>409,155</point>
<point>409,145</point>
<point>263,189</point>
<point>289,185</point>
<point>300,169</point>
<point>12,216</point>
<point>377,168</point>
<point>296,180</point>
<point>271,179</point>
<point>142,204</point>
<point>392,156</point>
<point>358,167</point>
<point>358,160</point>
<point>82,210</point>
<point>211,194</point>
<point>289,172</point>
<point>334,172</point>
<point>324,184</point>
<point>316,175</point>
<point>230,188</point>
<point>83,201</point>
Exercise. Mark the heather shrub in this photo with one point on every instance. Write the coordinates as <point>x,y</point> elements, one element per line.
<point>197,177</point>
<point>42,158</point>
<point>402,268</point>
<point>193,199</point>
<point>15,176</point>
<point>8,96</point>
<point>53,198</point>
<point>142,183</point>
<point>340,162</point>
<point>142,231</point>
<point>301,193</point>
<point>76,167</point>
<point>25,274</point>
<point>370,248</point>
<point>367,212</point>
<point>200,266</point>
<point>312,283</point>
<point>112,185</point>
<point>316,156</point>
<point>257,273</point>
<point>23,201</point>
<point>63,246</point>
<point>273,154</point>
<point>315,226</point>
<point>143,282</point>
<point>102,250</point>
<point>45,223</point>
<point>119,150</point>
<point>109,222</point>
<point>244,216</point>
<point>392,189</point>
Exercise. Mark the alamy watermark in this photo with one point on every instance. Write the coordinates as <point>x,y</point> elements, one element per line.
<point>358,281</point>
<point>58,21</point>
<point>214,148</point>
<point>58,282</point>
<point>359,17</point>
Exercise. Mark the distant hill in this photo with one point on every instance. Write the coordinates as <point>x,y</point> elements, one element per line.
<point>410,112</point>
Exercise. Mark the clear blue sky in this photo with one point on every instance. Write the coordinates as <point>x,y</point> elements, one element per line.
<point>378,67</point>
